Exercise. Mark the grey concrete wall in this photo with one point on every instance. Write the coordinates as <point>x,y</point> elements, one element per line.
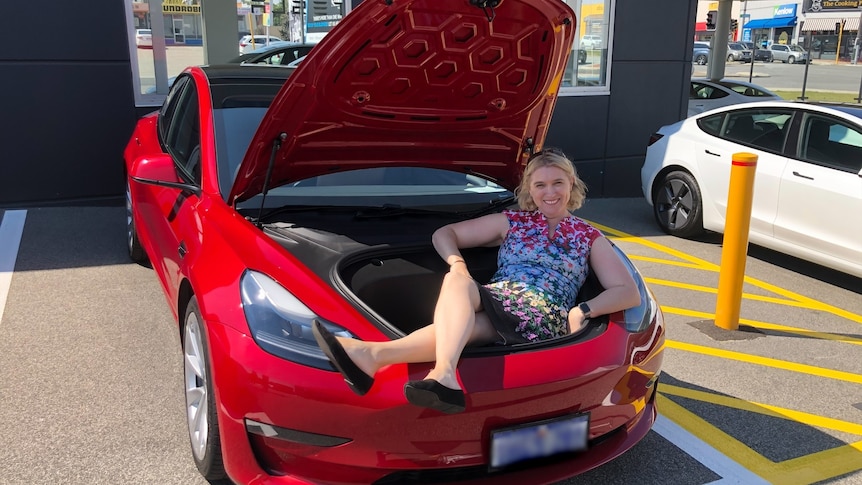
<point>66,101</point>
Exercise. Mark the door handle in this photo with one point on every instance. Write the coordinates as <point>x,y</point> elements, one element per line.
<point>182,250</point>
<point>802,176</point>
<point>711,153</point>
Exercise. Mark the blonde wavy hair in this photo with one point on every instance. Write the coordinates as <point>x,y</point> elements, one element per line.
<point>550,157</point>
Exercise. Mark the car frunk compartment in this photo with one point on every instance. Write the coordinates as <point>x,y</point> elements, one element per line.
<point>401,285</point>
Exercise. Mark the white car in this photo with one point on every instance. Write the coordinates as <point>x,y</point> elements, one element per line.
<point>807,187</point>
<point>705,95</point>
<point>250,42</point>
<point>143,37</point>
<point>591,42</point>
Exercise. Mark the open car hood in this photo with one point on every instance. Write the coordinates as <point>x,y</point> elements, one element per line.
<point>431,83</point>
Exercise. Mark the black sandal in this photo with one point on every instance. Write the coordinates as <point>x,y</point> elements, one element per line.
<point>359,381</point>
<point>429,393</point>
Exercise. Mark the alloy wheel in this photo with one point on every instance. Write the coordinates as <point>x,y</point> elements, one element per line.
<point>197,397</point>
<point>674,203</point>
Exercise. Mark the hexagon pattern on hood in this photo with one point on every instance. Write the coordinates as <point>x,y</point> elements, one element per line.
<point>432,83</point>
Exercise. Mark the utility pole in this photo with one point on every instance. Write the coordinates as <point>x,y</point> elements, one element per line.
<point>719,41</point>
<point>858,43</point>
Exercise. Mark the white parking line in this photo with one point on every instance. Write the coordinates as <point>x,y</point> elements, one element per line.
<point>10,239</point>
<point>730,471</point>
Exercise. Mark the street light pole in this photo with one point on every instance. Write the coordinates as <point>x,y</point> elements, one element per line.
<point>858,43</point>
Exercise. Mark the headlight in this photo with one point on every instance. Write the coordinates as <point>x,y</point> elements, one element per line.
<point>280,323</point>
<point>638,318</point>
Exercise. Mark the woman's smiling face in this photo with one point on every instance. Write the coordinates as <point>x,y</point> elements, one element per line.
<point>550,188</point>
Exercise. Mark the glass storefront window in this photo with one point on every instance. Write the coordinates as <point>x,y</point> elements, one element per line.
<point>166,36</point>
<point>588,71</point>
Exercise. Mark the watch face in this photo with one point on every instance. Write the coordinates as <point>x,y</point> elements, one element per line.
<point>585,309</point>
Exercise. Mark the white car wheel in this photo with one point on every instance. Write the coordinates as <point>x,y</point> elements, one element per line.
<point>201,411</point>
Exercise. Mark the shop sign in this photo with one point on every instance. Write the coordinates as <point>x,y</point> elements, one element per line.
<point>831,5</point>
<point>181,7</point>
<point>784,11</point>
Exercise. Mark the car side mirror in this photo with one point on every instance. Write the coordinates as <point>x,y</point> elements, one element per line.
<point>159,170</point>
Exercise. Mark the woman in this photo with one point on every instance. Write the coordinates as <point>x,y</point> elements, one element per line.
<point>545,254</point>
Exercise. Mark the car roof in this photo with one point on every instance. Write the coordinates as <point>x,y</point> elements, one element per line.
<point>244,73</point>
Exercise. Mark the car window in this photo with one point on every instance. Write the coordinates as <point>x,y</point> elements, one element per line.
<point>705,91</point>
<point>831,143</point>
<point>760,128</point>
<point>166,113</point>
<point>750,91</point>
<point>183,141</point>
<point>780,48</point>
<point>711,124</point>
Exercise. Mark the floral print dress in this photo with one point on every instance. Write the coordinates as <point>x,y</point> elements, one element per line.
<point>539,276</point>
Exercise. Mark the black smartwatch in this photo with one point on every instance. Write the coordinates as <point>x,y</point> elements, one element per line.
<point>585,309</point>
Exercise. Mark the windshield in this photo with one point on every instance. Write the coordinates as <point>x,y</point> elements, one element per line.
<point>796,48</point>
<point>405,186</point>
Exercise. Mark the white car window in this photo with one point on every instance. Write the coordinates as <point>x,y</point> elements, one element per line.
<point>831,143</point>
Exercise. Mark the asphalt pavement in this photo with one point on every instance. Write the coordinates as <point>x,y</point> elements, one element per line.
<point>91,369</point>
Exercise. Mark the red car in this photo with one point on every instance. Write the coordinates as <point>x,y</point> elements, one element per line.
<point>266,199</point>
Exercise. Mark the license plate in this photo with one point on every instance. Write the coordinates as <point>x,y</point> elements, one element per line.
<point>539,439</point>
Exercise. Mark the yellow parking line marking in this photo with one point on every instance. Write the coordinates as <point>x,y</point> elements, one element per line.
<point>766,326</point>
<point>766,362</point>
<point>812,468</point>
<point>667,262</point>
<point>764,409</point>
<point>709,289</point>
<point>718,439</point>
<point>698,263</point>
<point>820,466</point>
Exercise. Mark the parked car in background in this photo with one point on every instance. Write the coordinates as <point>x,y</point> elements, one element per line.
<point>279,53</point>
<point>738,52</point>
<point>758,53</point>
<point>705,95</point>
<point>807,185</point>
<point>791,54</point>
<point>591,42</point>
<point>143,37</point>
<point>268,200</point>
<point>700,53</point>
<point>250,42</point>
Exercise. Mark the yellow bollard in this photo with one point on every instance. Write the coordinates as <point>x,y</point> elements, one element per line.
<point>735,247</point>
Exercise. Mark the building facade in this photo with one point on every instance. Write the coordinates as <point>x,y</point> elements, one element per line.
<point>829,27</point>
<point>74,103</point>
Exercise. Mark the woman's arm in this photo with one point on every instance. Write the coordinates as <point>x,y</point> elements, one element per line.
<point>620,292</point>
<point>487,230</point>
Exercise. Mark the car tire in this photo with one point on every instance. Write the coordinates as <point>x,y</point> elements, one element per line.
<point>201,409</point>
<point>700,60</point>
<point>730,58</point>
<point>678,205</point>
<point>136,251</point>
<point>791,60</point>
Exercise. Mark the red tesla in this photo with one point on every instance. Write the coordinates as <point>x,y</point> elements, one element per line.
<point>266,199</point>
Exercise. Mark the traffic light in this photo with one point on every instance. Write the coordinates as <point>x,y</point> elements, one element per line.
<point>734,24</point>
<point>710,19</point>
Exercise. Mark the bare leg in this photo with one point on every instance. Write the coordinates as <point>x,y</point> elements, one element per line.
<point>456,324</point>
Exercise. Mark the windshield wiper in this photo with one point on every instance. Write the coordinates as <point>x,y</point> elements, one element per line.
<point>395,210</point>
<point>360,212</point>
<point>492,206</point>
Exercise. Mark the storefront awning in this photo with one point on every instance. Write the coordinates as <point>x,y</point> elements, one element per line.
<point>828,24</point>
<point>770,23</point>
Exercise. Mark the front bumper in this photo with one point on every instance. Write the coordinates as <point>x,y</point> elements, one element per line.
<point>285,423</point>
